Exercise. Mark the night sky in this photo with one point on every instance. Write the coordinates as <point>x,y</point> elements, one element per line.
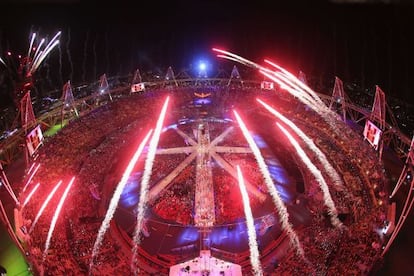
<point>366,42</point>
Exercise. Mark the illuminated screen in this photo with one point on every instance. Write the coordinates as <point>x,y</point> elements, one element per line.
<point>372,133</point>
<point>267,85</point>
<point>34,140</point>
<point>137,87</point>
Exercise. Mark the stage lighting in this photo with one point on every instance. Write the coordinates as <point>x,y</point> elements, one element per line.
<point>202,69</point>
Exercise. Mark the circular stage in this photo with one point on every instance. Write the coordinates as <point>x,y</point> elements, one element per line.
<point>193,202</point>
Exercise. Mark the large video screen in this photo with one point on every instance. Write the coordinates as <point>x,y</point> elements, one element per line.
<point>34,139</point>
<point>267,85</point>
<point>138,87</point>
<point>372,133</point>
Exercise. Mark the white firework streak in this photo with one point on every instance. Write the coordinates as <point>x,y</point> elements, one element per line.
<point>229,58</point>
<point>31,194</point>
<point>304,97</point>
<point>301,96</point>
<point>52,42</point>
<point>55,217</point>
<point>254,250</point>
<point>314,101</point>
<point>31,177</point>
<point>45,203</point>
<point>328,115</point>
<point>320,108</point>
<point>318,176</point>
<point>115,198</point>
<point>31,168</point>
<point>333,174</point>
<point>44,55</point>
<point>297,81</point>
<point>45,52</point>
<point>149,161</point>
<point>239,59</point>
<point>31,45</point>
<point>2,61</point>
<point>37,54</point>
<point>280,206</point>
<point>305,94</point>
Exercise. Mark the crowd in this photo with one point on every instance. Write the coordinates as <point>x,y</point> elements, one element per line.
<point>96,147</point>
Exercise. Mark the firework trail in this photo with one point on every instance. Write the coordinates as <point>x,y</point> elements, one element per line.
<point>229,58</point>
<point>55,217</point>
<point>234,57</point>
<point>333,174</point>
<point>305,100</point>
<point>31,45</point>
<point>31,168</point>
<point>45,203</point>
<point>318,176</point>
<point>298,82</point>
<point>31,194</point>
<point>328,115</point>
<point>49,47</point>
<point>43,55</point>
<point>254,250</point>
<point>38,52</point>
<point>115,198</point>
<point>304,93</point>
<point>144,184</point>
<point>280,206</point>
<point>294,85</point>
<point>298,93</point>
<point>31,176</point>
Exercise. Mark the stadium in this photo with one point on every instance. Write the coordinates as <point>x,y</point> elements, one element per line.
<point>181,175</point>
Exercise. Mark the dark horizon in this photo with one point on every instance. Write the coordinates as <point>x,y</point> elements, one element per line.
<point>366,44</point>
